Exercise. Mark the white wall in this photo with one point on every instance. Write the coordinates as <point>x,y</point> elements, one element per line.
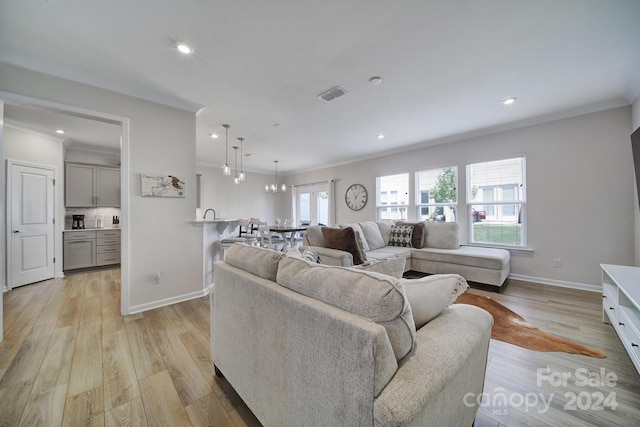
<point>29,147</point>
<point>245,200</point>
<point>160,233</point>
<point>579,186</point>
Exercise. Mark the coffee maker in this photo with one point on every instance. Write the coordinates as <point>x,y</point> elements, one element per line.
<point>78,222</point>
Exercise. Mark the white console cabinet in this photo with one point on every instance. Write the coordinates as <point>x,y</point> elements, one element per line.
<point>621,305</point>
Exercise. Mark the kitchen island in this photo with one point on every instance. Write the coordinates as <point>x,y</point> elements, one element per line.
<point>213,231</point>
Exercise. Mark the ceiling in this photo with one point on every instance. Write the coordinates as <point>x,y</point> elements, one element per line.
<point>260,66</point>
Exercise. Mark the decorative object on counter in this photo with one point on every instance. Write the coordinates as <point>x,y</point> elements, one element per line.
<point>99,218</point>
<point>273,188</point>
<point>159,185</point>
<point>78,222</point>
<point>226,170</point>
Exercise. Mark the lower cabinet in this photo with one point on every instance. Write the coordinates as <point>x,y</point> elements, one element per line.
<point>90,248</point>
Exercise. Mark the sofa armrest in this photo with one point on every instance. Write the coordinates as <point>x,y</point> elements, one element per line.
<point>439,381</point>
<point>332,256</point>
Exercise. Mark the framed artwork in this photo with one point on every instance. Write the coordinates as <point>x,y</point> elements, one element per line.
<point>160,185</point>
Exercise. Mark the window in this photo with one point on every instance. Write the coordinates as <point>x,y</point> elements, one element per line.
<point>312,204</point>
<point>437,193</point>
<point>392,196</point>
<point>496,202</point>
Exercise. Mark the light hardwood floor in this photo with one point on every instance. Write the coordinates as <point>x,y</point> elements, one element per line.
<point>69,358</point>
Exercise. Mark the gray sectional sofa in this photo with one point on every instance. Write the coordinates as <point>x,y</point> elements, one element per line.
<point>309,344</point>
<point>437,251</point>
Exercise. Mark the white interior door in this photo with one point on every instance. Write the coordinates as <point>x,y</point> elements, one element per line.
<point>31,230</point>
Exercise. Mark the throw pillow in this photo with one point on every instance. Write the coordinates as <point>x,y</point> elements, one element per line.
<point>307,254</point>
<point>344,239</point>
<point>393,267</point>
<point>372,235</point>
<point>430,295</point>
<point>418,233</point>
<point>360,234</point>
<point>401,235</point>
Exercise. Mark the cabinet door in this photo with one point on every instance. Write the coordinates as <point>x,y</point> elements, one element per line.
<point>108,187</point>
<point>79,185</point>
<point>79,254</point>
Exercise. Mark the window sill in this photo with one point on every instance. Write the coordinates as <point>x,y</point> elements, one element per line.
<point>509,248</point>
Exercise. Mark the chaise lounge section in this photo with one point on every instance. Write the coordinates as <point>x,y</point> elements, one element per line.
<point>435,249</point>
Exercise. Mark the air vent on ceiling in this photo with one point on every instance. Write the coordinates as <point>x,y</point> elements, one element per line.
<point>331,94</point>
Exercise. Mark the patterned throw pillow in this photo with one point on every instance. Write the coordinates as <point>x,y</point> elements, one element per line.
<point>311,256</point>
<point>401,235</point>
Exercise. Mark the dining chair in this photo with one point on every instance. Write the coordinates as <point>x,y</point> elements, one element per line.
<point>254,225</point>
<point>269,239</point>
<point>244,226</point>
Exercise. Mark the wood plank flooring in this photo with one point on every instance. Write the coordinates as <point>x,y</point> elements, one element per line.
<point>70,359</point>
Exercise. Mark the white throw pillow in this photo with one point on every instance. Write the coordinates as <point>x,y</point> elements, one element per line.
<point>430,295</point>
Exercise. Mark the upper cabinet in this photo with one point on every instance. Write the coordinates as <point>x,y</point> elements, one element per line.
<point>91,186</point>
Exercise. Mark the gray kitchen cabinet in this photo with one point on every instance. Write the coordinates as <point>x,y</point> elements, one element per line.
<point>79,249</point>
<point>89,185</point>
<point>91,248</point>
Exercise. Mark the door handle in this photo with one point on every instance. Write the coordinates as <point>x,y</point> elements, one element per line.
<point>16,231</point>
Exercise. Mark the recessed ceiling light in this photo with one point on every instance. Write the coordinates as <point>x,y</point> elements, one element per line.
<point>380,136</point>
<point>213,135</point>
<point>60,131</point>
<point>184,48</point>
<point>509,101</point>
<point>375,80</point>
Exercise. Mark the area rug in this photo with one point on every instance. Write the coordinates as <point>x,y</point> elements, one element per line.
<point>512,328</point>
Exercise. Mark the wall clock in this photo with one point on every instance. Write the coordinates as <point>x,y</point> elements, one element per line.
<point>356,197</point>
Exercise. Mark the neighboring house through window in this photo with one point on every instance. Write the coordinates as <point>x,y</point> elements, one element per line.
<point>437,194</point>
<point>496,202</point>
<point>392,196</point>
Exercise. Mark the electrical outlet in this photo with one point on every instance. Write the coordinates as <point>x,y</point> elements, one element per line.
<point>156,277</point>
<point>557,263</point>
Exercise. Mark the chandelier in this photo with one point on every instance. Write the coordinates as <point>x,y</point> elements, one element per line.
<point>241,176</point>
<point>273,188</point>
<point>226,170</point>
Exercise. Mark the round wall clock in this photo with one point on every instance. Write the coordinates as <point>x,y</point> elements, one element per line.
<point>356,197</point>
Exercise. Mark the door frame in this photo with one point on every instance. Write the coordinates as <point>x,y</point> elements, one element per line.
<point>9,215</point>
<point>125,274</point>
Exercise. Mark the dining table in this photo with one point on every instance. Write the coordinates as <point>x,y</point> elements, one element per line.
<point>288,232</point>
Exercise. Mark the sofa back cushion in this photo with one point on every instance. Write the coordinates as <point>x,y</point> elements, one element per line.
<point>443,235</point>
<point>345,239</point>
<point>372,235</point>
<point>375,296</point>
<point>313,236</point>
<point>258,261</point>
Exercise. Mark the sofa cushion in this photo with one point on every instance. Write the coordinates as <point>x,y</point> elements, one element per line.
<point>385,229</point>
<point>401,235</point>
<point>389,252</point>
<point>344,239</point>
<point>393,267</point>
<point>259,261</point>
<point>430,295</point>
<point>419,234</point>
<point>443,235</point>
<point>372,235</point>
<point>489,258</point>
<point>359,233</point>
<point>375,296</point>
<point>313,236</point>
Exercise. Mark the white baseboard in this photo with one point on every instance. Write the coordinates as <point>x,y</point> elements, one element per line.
<point>560,283</point>
<point>168,301</point>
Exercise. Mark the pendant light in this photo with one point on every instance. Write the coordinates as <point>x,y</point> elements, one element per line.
<point>242,176</point>
<point>273,188</point>
<point>226,170</point>
<point>236,180</point>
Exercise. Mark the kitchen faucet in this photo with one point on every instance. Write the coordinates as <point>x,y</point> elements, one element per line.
<point>207,211</point>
